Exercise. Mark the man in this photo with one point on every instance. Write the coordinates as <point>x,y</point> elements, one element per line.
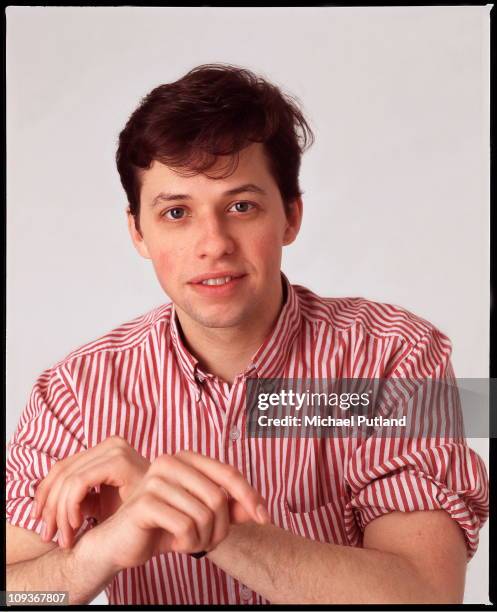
<point>145,429</point>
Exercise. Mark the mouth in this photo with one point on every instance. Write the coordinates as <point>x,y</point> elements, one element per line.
<point>217,284</point>
<point>216,279</point>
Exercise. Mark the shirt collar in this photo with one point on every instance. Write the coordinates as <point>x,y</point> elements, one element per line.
<point>272,354</point>
<point>269,359</point>
<point>187,362</point>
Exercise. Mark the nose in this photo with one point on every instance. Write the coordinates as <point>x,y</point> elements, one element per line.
<point>214,240</point>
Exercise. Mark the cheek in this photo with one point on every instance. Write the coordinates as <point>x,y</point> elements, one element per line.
<point>267,247</point>
<point>165,263</point>
<point>167,254</point>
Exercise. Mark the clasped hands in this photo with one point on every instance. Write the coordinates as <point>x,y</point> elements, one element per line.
<point>178,503</point>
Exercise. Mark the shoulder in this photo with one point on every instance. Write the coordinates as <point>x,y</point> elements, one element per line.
<point>378,319</point>
<point>125,337</point>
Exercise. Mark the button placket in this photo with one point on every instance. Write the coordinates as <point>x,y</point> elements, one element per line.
<point>199,381</point>
<point>234,433</point>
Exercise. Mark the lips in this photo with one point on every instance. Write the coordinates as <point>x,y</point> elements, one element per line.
<point>215,276</point>
<point>222,290</point>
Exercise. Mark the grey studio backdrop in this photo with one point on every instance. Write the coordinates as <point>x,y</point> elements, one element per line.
<point>396,186</point>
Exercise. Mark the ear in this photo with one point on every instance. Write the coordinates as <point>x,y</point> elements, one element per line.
<point>136,236</point>
<point>294,220</point>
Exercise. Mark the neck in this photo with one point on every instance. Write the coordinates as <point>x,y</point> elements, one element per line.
<point>227,351</point>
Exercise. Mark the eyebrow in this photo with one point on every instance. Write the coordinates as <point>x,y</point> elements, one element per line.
<point>170,197</point>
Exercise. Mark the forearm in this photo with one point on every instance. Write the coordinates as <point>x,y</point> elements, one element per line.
<point>79,571</point>
<point>287,569</point>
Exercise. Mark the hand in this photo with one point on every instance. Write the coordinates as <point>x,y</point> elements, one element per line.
<point>64,497</point>
<point>181,505</point>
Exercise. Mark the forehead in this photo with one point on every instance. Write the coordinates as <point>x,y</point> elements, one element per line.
<point>253,167</point>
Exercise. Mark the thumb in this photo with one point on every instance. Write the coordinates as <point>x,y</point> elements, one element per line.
<point>238,514</point>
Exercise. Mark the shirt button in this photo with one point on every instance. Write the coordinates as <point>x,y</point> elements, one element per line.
<point>234,433</point>
<point>245,592</point>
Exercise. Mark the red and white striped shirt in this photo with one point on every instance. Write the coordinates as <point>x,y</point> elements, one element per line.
<point>140,382</point>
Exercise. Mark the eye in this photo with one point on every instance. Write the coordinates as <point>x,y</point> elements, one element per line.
<point>174,214</point>
<point>242,207</point>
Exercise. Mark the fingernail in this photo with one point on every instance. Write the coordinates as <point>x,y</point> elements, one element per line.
<point>44,531</point>
<point>34,508</point>
<point>262,514</point>
<point>62,541</point>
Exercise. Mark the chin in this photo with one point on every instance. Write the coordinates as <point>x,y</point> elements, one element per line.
<point>218,320</point>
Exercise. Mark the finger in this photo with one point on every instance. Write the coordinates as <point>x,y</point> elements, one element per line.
<point>70,515</point>
<point>80,483</point>
<point>231,480</point>
<point>114,467</point>
<point>87,509</point>
<point>65,529</point>
<point>89,469</point>
<point>45,486</point>
<point>48,493</point>
<point>180,499</point>
<point>238,514</point>
<point>49,513</point>
<point>75,489</point>
<point>220,506</point>
<point>198,485</point>
<point>119,461</point>
<point>154,512</point>
<point>69,465</point>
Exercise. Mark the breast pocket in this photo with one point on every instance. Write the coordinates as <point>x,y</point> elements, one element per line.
<point>324,523</point>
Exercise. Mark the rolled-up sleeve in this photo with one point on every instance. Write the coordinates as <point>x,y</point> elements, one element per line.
<point>434,470</point>
<point>50,428</point>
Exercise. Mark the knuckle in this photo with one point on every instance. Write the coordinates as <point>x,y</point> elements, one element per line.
<point>118,452</point>
<point>163,461</point>
<point>188,525</point>
<point>218,500</point>
<point>60,516</point>
<point>186,529</point>
<point>122,460</point>
<point>231,471</point>
<point>143,501</point>
<point>77,480</point>
<point>117,441</point>
<point>204,517</point>
<point>153,483</point>
<point>73,500</point>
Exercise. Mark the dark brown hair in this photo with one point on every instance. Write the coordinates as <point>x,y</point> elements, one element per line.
<point>215,109</point>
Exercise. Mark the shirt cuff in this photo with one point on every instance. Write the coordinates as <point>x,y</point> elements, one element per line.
<point>409,490</point>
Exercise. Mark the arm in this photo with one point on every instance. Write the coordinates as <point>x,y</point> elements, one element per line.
<point>37,566</point>
<point>173,507</point>
<point>417,557</point>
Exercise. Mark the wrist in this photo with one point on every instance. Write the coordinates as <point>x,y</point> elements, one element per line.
<point>240,538</point>
<point>91,551</point>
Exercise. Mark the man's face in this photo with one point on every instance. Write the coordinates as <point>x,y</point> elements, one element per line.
<point>196,228</point>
